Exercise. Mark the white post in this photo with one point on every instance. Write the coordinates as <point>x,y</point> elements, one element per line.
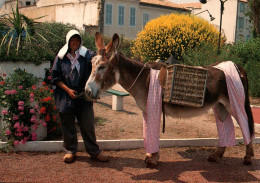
<point>117,103</point>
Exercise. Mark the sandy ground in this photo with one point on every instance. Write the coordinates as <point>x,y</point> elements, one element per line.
<point>177,164</point>
<point>128,124</point>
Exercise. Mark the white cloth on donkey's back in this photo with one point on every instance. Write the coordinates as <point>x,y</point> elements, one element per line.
<point>237,104</point>
<point>152,117</point>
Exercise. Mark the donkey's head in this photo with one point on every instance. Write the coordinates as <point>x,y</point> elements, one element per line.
<point>104,74</point>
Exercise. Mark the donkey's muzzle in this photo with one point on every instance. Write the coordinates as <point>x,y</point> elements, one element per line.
<point>90,96</point>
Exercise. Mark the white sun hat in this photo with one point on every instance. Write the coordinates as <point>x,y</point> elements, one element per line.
<point>64,49</point>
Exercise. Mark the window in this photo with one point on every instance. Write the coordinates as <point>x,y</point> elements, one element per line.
<point>241,23</point>
<point>242,7</point>
<point>145,18</point>
<point>121,15</point>
<point>27,3</point>
<point>132,16</point>
<point>108,14</point>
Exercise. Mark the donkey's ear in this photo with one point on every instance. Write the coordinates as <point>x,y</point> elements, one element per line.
<point>113,45</point>
<point>99,41</point>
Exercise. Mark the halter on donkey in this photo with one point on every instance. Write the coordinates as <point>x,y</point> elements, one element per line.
<point>110,67</point>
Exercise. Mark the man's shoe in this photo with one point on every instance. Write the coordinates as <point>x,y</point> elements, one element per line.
<point>103,158</point>
<point>68,158</point>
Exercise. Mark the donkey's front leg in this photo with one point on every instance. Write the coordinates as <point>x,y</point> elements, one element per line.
<point>152,160</point>
<point>218,154</point>
<point>249,154</point>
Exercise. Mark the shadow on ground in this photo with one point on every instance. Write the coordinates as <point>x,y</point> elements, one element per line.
<point>229,169</point>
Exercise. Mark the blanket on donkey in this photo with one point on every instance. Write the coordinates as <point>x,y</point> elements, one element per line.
<point>152,117</point>
<point>237,104</point>
<point>226,132</point>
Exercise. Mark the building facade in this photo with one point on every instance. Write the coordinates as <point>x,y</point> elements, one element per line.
<point>235,24</point>
<point>125,17</point>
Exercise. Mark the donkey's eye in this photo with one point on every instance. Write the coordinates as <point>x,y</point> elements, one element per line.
<point>101,67</point>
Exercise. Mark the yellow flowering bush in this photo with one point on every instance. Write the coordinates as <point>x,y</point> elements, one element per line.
<point>172,35</point>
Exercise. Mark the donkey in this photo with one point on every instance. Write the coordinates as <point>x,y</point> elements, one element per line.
<point>110,67</point>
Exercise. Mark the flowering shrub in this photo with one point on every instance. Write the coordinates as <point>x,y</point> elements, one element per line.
<point>173,35</point>
<point>23,102</point>
<point>48,112</point>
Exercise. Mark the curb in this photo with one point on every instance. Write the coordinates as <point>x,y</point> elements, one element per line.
<point>124,144</point>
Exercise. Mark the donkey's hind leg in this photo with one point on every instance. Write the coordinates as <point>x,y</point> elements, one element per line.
<point>218,154</point>
<point>249,154</point>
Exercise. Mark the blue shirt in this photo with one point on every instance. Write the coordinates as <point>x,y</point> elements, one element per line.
<point>61,71</point>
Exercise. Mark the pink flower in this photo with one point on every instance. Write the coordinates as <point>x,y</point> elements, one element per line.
<point>20,87</point>
<point>21,113</point>
<point>4,112</point>
<point>34,138</point>
<point>19,129</point>
<point>7,92</point>
<point>20,108</point>
<point>15,117</point>
<point>36,107</point>
<point>34,87</point>
<point>23,141</point>
<point>17,125</point>
<point>8,132</point>
<point>31,95</point>
<point>19,134</point>
<point>13,91</point>
<point>35,127</point>
<point>25,129</point>
<point>49,78</point>
<point>32,111</point>
<point>21,103</point>
<point>33,119</point>
<point>16,142</point>
<point>44,124</point>
<point>34,134</point>
<point>31,100</point>
<point>25,138</point>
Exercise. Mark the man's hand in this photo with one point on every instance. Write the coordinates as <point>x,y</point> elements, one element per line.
<point>72,93</point>
<point>67,89</point>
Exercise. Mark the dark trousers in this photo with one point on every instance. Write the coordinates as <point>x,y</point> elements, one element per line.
<point>85,115</point>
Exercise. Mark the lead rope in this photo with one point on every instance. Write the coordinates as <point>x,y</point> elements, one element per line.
<point>137,77</point>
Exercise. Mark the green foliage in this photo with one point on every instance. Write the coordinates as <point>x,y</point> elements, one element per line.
<point>17,30</point>
<point>124,47</point>
<point>246,54</point>
<point>21,77</point>
<point>38,50</point>
<point>55,34</point>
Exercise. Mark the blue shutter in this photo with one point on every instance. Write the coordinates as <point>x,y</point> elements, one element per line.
<point>121,14</point>
<point>132,16</point>
<point>108,14</point>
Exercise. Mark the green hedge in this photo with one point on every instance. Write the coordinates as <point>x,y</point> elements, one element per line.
<point>38,50</point>
<point>246,54</point>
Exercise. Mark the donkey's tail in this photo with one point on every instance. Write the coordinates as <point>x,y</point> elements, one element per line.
<point>244,79</point>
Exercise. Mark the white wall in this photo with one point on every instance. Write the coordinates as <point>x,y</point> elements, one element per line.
<point>184,1</point>
<point>228,18</point>
<point>78,14</point>
<point>1,3</point>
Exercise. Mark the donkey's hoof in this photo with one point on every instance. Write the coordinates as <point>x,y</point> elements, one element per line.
<point>151,164</point>
<point>212,159</point>
<point>247,161</point>
<point>152,160</point>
